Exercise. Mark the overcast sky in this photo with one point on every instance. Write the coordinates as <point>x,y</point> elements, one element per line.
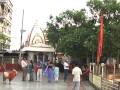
<point>39,10</point>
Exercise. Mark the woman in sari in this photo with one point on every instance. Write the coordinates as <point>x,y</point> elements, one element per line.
<point>50,72</point>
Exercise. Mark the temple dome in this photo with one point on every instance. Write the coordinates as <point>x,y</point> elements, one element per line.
<point>36,36</point>
<point>36,41</point>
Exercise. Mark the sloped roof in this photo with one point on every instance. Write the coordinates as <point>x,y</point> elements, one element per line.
<point>36,41</point>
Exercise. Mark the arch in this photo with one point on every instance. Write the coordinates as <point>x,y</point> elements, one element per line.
<point>37,36</point>
<point>29,36</point>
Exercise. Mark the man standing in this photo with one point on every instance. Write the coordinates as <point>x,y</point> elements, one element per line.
<point>76,72</point>
<point>66,68</point>
<point>24,65</point>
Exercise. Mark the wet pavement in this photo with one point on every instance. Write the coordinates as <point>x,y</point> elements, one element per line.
<point>18,84</point>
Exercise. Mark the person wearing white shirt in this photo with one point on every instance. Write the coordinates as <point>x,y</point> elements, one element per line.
<point>66,68</point>
<point>24,65</point>
<point>76,72</point>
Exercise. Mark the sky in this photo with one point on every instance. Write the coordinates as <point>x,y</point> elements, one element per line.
<point>39,10</point>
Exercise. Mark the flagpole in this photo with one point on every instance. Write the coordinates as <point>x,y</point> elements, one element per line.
<point>21,31</point>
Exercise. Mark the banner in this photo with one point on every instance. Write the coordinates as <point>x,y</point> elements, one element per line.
<point>100,40</point>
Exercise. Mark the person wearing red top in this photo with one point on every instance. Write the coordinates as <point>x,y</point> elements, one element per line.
<point>86,73</point>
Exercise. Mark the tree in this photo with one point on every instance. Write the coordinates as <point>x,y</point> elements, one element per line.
<point>110,9</point>
<point>69,32</point>
<point>4,41</point>
<point>76,34</point>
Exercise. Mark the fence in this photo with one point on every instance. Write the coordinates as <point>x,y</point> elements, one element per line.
<point>105,77</point>
<point>110,85</point>
<point>9,59</point>
<point>9,63</point>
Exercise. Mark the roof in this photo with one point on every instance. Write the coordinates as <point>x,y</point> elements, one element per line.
<point>36,41</point>
<point>39,48</point>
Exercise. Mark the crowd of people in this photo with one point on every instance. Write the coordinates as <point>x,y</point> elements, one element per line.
<point>34,71</point>
<point>52,71</point>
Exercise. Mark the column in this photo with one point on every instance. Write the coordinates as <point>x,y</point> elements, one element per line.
<point>30,56</point>
<point>102,65</point>
<point>93,67</point>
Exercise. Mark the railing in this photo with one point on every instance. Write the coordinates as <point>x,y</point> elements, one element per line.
<point>110,85</point>
<point>7,67</point>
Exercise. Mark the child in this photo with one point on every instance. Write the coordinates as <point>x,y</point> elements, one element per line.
<point>56,73</point>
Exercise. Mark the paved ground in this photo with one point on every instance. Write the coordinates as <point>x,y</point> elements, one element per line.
<point>17,84</point>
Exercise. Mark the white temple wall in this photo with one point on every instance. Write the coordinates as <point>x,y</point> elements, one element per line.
<point>30,55</point>
<point>50,56</point>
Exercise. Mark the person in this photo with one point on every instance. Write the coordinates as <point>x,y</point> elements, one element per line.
<point>36,66</point>
<point>30,70</point>
<point>50,72</point>
<point>66,68</point>
<point>38,71</point>
<point>83,70</point>
<point>86,73</point>
<point>56,72</point>
<point>24,65</point>
<point>76,72</point>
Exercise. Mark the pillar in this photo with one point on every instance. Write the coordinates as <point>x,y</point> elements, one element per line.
<point>30,56</point>
<point>93,67</point>
<point>102,65</point>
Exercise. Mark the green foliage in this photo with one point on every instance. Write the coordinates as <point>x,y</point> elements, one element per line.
<point>70,33</point>
<point>3,41</point>
<point>76,34</point>
<point>110,9</point>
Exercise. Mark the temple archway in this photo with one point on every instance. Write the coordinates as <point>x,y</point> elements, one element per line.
<point>36,47</point>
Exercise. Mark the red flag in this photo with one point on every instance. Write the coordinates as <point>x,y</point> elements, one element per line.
<point>100,40</point>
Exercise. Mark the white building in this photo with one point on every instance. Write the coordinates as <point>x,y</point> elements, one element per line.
<point>5,22</point>
<point>35,46</point>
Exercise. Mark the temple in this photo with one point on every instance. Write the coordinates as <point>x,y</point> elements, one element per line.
<point>36,47</point>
